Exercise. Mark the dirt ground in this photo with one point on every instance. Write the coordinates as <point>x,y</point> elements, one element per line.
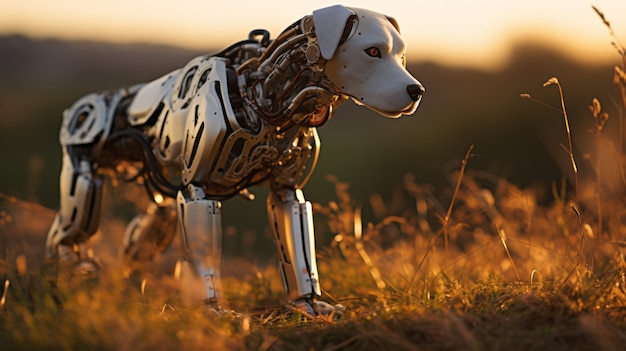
<point>23,230</point>
<point>24,227</point>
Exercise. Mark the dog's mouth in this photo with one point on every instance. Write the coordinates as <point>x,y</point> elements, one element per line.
<point>409,110</point>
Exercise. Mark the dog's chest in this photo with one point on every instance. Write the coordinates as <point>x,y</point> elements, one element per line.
<point>245,158</point>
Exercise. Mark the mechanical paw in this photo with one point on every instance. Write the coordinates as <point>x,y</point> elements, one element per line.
<point>71,265</point>
<point>219,310</point>
<point>314,308</point>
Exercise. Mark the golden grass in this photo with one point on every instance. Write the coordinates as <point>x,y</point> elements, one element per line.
<point>483,265</point>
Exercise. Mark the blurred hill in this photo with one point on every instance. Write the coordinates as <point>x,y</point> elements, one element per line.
<point>513,138</point>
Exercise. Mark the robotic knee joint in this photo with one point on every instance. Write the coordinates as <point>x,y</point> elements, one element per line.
<point>291,218</point>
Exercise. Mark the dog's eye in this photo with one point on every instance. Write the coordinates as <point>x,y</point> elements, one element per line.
<point>373,52</point>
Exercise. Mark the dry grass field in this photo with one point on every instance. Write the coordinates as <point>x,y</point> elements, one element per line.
<point>482,265</point>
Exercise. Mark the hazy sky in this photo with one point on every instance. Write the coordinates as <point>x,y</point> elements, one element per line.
<point>459,32</point>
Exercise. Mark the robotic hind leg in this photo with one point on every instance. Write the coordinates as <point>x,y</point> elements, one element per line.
<point>79,213</point>
<point>84,130</point>
<point>201,224</point>
<point>291,218</point>
<point>149,233</point>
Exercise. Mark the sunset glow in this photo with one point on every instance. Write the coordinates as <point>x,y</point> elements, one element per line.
<point>476,33</point>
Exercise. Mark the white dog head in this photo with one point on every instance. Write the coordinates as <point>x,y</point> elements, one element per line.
<point>366,59</point>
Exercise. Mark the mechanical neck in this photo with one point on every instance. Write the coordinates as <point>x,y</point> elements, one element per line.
<point>286,85</point>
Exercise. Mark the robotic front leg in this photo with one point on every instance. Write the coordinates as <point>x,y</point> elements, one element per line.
<point>201,224</point>
<point>79,213</point>
<point>291,218</point>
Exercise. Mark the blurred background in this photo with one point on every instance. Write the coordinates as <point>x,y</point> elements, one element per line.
<point>475,58</point>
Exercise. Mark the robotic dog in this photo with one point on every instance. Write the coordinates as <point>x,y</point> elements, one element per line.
<point>221,124</point>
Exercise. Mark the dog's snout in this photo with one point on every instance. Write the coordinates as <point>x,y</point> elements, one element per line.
<point>415,91</point>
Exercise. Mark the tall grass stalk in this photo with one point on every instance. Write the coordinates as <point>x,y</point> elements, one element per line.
<point>5,291</point>
<point>619,78</point>
<point>446,220</point>
<point>600,117</point>
<point>360,248</point>
<point>569,149</point>
<point>502,236</point>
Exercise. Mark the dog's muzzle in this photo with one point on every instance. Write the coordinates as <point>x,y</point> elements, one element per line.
<point>415,91</point>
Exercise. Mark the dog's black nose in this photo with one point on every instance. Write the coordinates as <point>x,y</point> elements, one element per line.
<point>415,91</point>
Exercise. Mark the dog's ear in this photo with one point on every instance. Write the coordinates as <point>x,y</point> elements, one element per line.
<point>394,23</point>
<point>330,23</point>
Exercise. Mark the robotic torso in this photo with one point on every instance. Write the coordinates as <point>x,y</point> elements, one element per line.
<point>195,117</point>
